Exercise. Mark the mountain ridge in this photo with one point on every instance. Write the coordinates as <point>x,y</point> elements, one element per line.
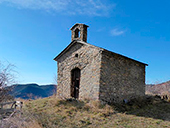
<point>32,90</point>
<point>158,89</point>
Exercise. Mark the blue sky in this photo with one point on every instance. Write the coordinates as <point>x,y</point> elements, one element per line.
<point>33,32</point>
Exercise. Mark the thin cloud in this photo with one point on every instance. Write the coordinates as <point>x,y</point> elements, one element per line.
<point>71,7</point>
<point>101,29</point>
<point>117,32</point>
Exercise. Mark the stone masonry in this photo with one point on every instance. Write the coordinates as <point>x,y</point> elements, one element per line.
<point>120,78</point>
<point>88,61</point>
<point>104,75</point>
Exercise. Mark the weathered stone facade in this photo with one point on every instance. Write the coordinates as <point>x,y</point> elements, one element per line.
<point>121,78</point>
<point>104,75</point>
<point>88,61</point>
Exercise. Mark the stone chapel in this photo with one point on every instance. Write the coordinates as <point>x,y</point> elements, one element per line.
<point>87,71</point>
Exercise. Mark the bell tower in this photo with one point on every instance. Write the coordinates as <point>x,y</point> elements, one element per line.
<point>79,32</point>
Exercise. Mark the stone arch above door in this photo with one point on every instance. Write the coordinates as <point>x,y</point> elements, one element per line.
<point>77,65</point>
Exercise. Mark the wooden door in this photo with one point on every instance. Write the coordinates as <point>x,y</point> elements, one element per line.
<point>75,83</point>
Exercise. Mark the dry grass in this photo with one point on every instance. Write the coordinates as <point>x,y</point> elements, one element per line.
<point>52,113</point>
<point>16,121</point>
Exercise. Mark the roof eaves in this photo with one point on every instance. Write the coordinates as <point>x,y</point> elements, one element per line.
<point>85,43</point>
<point>126,57</point>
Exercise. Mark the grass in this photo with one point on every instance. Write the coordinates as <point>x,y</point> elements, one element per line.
<point>52,113</point>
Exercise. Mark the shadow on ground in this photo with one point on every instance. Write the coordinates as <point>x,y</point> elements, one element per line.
<point>149,106</point>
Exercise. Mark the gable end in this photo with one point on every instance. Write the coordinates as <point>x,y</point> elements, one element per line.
<point>69,46</point>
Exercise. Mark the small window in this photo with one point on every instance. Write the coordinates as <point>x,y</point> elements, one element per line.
<point>76,55</point>
<point>77,33</point>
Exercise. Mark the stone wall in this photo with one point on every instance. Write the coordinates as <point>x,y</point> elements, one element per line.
<point>89,62</point>
<point>121,78</point>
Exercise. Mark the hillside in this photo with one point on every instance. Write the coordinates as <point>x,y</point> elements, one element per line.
<point>52,112</point>
<point>158,89</point>
<point>32,91</point>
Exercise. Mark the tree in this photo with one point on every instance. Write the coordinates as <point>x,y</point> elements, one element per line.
<point>6,79</point>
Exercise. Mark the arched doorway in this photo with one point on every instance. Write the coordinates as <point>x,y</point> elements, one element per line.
<point>75,83</point>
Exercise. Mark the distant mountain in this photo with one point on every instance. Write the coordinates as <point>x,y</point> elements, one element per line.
<point>32,91</point>
<point>158,89</point>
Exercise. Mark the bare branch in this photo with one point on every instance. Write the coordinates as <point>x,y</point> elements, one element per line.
<point>6,79</point>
